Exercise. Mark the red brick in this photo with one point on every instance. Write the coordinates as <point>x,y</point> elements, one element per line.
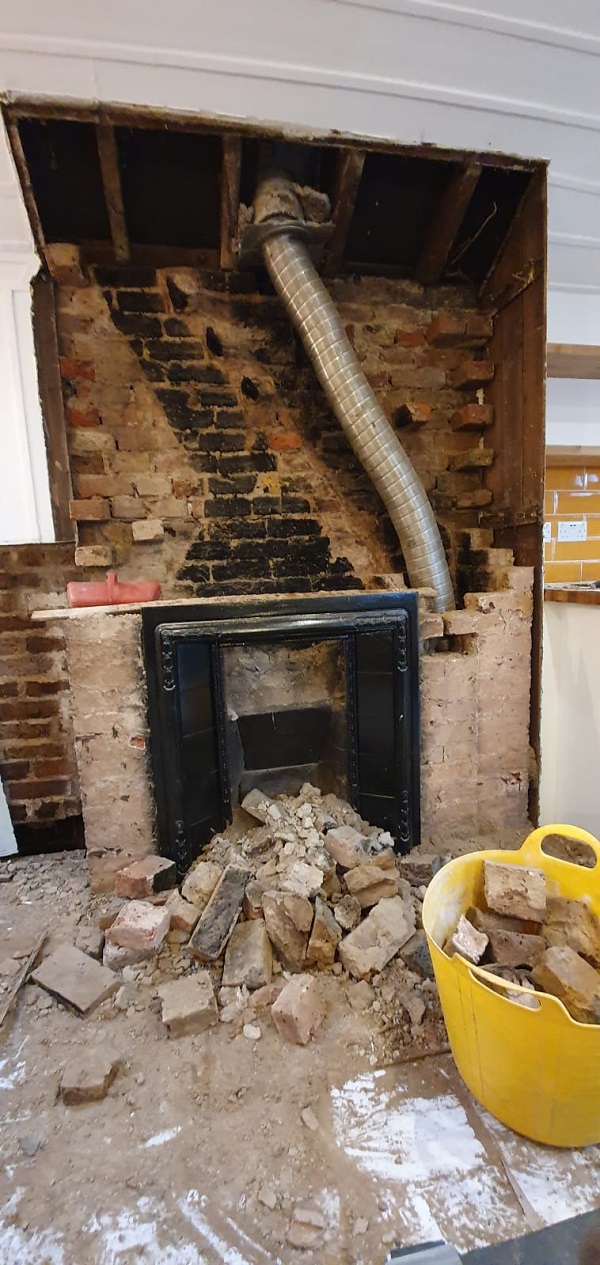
<point>448,329</point>
<point>472,417</point>
<point>73,369</point>
<point>27,729</point>
<point>92,509</point>
<point>106,485</point>
<point>410,337</point>
<point>134,439</point>
<point>40,789</point>
<point>21,710</point>
<point>284,441</point>
<point>44,643</point>
<point>13,769</point>
<point>18,813</point>
<point>480,327</point>
<point>41,689</point>
<point>82,417</point>
<point>472,373</point>
<point>184,487</point>
<point>62,766</point>
<point>9,689</point>
<point>93,464</point>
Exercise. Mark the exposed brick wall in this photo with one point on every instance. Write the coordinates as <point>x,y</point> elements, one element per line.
<point>475,691</point>
<point>37,756</point>
<point>204,453</point>
<point>108,695</point>
<point>474,667</point>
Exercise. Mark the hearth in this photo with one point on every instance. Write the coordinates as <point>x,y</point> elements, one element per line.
<point>320,689</point>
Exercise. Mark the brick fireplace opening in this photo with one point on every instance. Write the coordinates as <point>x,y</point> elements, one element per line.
<point>317,690</point>
<point>190,442</point>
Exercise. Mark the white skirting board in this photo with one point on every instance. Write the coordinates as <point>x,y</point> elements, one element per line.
<point>8,843</point>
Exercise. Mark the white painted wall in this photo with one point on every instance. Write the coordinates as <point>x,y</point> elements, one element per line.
<point>571,716</point>
<point>25,509</point>
<point>573,406</point>
<point>513,75</point>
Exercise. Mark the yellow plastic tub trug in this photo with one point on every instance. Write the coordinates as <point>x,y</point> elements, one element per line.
<point>537,1071</point>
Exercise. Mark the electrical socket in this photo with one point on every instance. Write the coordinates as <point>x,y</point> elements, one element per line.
<point>547,533</point>
<point>572,531</point>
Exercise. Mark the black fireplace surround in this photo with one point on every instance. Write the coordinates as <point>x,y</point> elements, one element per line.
<point>183,650</point>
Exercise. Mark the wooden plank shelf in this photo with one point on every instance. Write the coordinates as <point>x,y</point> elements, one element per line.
<point>573,360</point>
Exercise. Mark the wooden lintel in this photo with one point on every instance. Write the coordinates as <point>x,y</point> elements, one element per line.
<point>573,360</point>
<point>349,173</point>
<point>113,193</point>
<point>51,399</point>
<point>230,197</point>
<point>12,129</point>
<point>21,106</point>
<point>449,215</point>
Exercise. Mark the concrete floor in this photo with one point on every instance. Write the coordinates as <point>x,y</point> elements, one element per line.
<point>171,1168</point>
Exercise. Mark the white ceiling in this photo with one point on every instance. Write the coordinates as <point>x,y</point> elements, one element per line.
<point>520,76</point>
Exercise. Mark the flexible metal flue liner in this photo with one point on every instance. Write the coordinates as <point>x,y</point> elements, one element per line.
<point>315,317</point>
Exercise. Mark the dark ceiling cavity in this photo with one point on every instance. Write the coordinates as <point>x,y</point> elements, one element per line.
<point>169,188</point>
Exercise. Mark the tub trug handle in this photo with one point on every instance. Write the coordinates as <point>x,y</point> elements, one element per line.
<point>531,850</point>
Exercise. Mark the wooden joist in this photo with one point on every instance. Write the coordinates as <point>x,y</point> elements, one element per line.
<point>113,193</point>
<point>449,215</point>
<point>230,197</point>
<point>573,360</point>
<point>349,172</point>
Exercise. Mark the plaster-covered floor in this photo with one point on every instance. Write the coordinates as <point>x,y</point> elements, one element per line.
<point>177,1166</point>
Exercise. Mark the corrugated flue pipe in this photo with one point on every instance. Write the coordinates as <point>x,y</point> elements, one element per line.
<point>315,317</point>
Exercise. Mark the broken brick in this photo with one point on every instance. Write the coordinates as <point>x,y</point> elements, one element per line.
<point>419,870</point>
<point>91,941</point>
<point>564,974</point>
<point>139,925</point>
<point>220,915</point>
<point>200,883</point>
<point>75,978</point>
<point>298,1012</point>
<point>347,912</point>
<point>189,1006</point>
<point>288,920</point>
<point>324,938</point>
<point>573,923</point>
<point>347,846</point>
<point>373,881</point>
<point>87,1077</point>
<point>184,915</point>
<point>516,890</point>
<point>248,957</point>
<point>467,941</point>
<point>143,878</point>
<point>378,938</point>
<point>512,948</point>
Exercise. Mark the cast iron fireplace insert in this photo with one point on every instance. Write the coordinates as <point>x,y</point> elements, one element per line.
<point>184,648</point>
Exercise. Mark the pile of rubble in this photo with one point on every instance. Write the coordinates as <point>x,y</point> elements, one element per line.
<point>534,939</point>
<point>299,886</point>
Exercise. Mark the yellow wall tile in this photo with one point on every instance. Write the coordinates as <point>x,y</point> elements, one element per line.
<point>577,503</point>
<point>563,572</point>
<point>590,570</point>
<point>576,550</point>
<point>564,477</point>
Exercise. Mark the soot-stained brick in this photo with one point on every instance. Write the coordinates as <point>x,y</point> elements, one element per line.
<point>251,540</point>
